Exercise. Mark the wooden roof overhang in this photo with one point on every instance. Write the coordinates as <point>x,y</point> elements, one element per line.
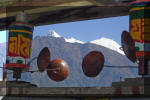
<point>44,12</point>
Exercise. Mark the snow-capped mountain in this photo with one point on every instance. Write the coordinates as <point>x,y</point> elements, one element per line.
<point>53,34</point>
<point>73,40</point>
<point>73,54</point>
<point>70,40</point>
<point>108,43</point>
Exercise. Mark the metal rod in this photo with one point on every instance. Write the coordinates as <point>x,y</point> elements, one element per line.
<point>33,71</point>
<point>31,60</point>
<point>104,66</point>
<point>120,66</point>
<point>38,70</point>
<point>54,69</point>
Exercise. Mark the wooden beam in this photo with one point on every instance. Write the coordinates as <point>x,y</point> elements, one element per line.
<point>130,88</point>
<point>78,92</point>
<point>39,4</point>
<point>13,10</point>
<point>75,92</point>
<point>69,15</point>
<point>78,14</point>
<point>35,3</point>
<point>97,3</point>
<point>111,2</point>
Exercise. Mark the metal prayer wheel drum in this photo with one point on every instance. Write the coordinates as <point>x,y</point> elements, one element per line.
<point>61,71</point>
<point>140,32</point>
<point>43,59</point>
<point>93,63</point>
<point>19,46</point>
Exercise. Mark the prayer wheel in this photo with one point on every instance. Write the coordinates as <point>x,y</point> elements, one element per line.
<point>140,32</point>
<point>19,46</point>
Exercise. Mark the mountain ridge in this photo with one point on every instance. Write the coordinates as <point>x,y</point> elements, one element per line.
<point>73,54</point>
<point>106,42</point>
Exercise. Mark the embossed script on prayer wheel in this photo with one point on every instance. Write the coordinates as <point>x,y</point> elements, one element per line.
<point>140,32</point>
<point>140,27</point>
<point>19,45</point>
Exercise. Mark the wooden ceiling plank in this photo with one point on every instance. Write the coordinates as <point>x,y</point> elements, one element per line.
<point>36,3</point>
<point>30,4</point>
<point>95,2</point>
<point>110,2</point>
<point>45,8</point>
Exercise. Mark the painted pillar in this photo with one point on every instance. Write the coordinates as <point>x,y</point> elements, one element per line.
<point>140,32</point>
<point>19,45</point>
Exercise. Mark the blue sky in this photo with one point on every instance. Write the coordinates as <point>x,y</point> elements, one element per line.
<point>85,30</point>
<point>2,36</point>
<point>89,30</point>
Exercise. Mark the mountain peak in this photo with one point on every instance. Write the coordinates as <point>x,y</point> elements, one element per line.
<point>53,34</point>
<point>73,40</point>
<point>108,43</point>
